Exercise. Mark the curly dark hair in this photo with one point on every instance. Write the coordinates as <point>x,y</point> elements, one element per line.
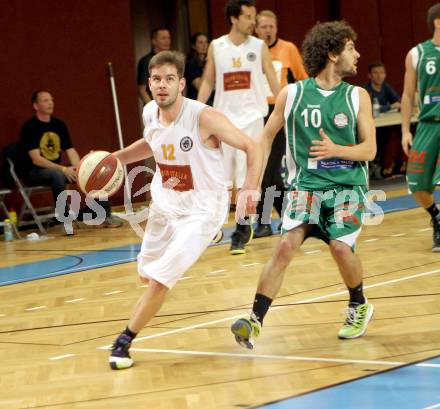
<point>322,39</point>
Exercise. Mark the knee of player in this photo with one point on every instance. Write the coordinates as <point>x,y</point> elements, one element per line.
<point>156,286</point>
<point>144,280</point>
<point>339,249</point>
<point>284,252</point>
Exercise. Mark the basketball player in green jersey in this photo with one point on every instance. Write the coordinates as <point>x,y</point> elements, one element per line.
<point>331,135</point>
<point>423,73</point>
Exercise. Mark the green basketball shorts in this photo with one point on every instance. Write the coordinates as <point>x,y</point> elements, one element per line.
<point>334,214</point>
<point>423,171</point>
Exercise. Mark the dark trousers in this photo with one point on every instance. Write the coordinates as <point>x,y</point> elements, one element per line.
<point>272,180</point>
<point>390,147</point>
<point>57,181</point>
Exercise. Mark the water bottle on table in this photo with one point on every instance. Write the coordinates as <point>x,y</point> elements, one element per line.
<point>376,108</point>
<point>7,229</point>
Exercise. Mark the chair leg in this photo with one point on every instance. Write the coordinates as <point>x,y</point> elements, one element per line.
<point>29,206</point>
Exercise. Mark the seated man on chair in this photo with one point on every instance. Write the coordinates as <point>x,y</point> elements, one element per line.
<point>392,158</point>
<point>43,138</point>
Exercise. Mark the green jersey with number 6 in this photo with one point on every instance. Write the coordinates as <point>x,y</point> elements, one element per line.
<point>428,80</point>
<point>308,109</point>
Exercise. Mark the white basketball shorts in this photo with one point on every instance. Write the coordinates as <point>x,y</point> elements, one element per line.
<point>172,244</point>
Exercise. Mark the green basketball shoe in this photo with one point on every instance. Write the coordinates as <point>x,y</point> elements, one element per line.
<point>357,321</point>
<point>246,330</point>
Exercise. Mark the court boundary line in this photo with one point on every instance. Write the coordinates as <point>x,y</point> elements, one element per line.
<point>207,323</point>
<point>281,357</point>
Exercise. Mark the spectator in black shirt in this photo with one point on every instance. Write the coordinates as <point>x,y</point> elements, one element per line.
<point>378,88</point>
<point>160,41</point>
<point>43,139</point>
<point>392,160</point>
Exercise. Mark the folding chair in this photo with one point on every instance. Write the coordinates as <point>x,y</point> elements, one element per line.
<point>39,214</point>
<point>3,194</point>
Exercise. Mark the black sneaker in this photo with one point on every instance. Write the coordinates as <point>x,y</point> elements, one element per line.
<point>436,235</point>
<point>263,230</point>
<point>247,232</point>
<point>120,357</point>
<point>242,235</point>
<point>237,243</point>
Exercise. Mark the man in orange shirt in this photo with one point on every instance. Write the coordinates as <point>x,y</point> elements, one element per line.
<point>289,68</point>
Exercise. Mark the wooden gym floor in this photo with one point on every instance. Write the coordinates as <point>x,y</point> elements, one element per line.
<point>54,330</point>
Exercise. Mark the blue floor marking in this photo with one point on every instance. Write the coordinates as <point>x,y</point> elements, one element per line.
<point>67,264</point>
<point>118,255</point>
<point>411,386</point>
<point>402,203</point>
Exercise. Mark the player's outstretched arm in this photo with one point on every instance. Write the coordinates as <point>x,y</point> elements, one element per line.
<point>272,127</point>
<point>365,150</point>
<point>409,90</point>
<point>137,151</point>
<point>214,124</point>
<point>208,78</point>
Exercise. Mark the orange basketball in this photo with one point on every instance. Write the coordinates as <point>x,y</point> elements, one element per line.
<point>100,174</point>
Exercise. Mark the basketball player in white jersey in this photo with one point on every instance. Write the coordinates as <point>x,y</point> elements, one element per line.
<point>236,65</point>
<point>190,200</point>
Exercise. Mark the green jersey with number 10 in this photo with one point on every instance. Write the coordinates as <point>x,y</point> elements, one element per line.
<point>308,109</point>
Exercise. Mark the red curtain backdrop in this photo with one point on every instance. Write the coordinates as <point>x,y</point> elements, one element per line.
<point>386,29</point>
<point>64,47</point>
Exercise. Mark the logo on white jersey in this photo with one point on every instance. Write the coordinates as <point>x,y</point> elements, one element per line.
<point>341,120</point>
<point>186,144</point>
<point>251,56</point>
